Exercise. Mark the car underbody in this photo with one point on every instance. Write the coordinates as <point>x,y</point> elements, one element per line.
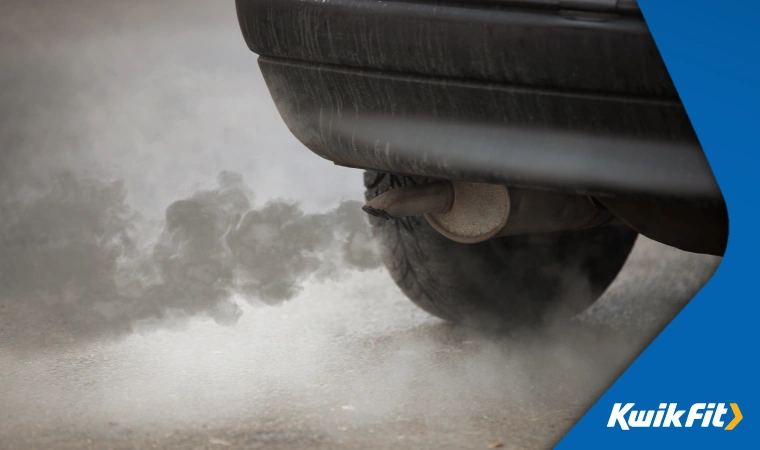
<point>566,96</point>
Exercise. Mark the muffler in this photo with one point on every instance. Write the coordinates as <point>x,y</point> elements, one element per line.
<point>475,212</point>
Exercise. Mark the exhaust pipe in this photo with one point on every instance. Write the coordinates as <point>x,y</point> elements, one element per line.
<point>436,197</point>
<point>475,212</point>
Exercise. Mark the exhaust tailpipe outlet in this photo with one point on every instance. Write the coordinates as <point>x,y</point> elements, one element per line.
<point>436,197</point>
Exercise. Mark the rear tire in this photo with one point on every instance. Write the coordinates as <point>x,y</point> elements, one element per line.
<point>502,283</point>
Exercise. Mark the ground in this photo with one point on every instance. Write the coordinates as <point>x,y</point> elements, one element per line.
<point>349,364</point>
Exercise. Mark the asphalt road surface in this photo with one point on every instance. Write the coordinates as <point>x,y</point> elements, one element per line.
<point>350,364</point>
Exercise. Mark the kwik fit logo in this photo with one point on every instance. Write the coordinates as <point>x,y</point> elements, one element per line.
<point>668,415</point>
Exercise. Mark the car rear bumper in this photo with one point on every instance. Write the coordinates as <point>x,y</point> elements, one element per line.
<point>533,98</point>
<point>477,40</point>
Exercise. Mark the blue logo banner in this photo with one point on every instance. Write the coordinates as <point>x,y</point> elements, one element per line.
<point>702,369</point>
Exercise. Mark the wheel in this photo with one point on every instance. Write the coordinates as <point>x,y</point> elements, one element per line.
<point>503,283</point>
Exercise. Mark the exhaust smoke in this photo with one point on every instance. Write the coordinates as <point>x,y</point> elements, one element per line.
<point>78,263</point>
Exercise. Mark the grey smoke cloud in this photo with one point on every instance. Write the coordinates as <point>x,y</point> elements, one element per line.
<point>109,112</point>
<point>77,263</point>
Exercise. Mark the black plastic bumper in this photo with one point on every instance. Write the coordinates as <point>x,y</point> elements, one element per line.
<point>542,97</point>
